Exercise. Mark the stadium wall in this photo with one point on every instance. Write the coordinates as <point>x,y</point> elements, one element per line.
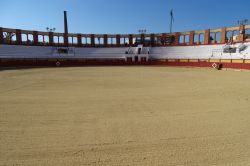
<point>235,64</point>
<point>190,49</point>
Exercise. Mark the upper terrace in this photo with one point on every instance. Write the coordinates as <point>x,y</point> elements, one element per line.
<point>200,37</point>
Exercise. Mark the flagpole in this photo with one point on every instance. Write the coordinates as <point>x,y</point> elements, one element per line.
<point>171,21</point>
<point>171,25</point>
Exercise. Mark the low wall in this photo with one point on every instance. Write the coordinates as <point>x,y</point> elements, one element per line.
<point>117,62</point>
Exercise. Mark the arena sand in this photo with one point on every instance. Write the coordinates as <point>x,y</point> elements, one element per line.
<point>124,116</point>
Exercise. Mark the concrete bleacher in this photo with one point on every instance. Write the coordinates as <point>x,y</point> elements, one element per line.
<point>12,51</point>
<point>240,51</point>
<point>100,52</point>
<point>173,52</point>
<point>183,52</point>
<point>198,52</point>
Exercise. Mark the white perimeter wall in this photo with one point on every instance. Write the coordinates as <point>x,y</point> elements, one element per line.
<point>197,52</point>
<point>180,52</point>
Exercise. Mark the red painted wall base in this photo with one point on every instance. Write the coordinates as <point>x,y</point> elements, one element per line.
<point>110,62</point>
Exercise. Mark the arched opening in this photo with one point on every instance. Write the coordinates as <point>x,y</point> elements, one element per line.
<point>196,38</point>
<point>126,41</point>
<point>212,37</point>
<point>122,40</point>
<point>109,41</point>
<point>147,41</point>
<point>56,40</point>
<point>9,37</point>
<point>135,40</point>
<point>13,38</point>
<point>84,40</point>
<point>112,41</point>
<point>88,41</point>
<point>30,38</point>
<point>229,36</point>
<point>61,39</point>
<point>24,38</point>
<point>235,35</point>
<point>187,38</point>
<point>157,40</point>
<point>182,39</point>
<point>72,40</point>
<point>46,39</point>
<point>43,39</point>
<point>40,39</point>
<point>138,40</point>
<point>247,34</point>
<point>218,37</point>
<point>202,38</point>
<point>99,41</point>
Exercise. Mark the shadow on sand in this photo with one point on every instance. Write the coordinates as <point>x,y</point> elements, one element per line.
<point>22,68</point>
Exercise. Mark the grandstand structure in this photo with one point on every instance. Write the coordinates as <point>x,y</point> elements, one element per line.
<point>228,47</point>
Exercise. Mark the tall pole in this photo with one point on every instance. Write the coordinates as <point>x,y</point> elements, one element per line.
<point>65,23</point>
<point>171,20</point>
<point>171,24</point>
<point>66,43</point>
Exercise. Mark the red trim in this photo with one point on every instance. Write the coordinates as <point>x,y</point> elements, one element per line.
<point>112,62</point>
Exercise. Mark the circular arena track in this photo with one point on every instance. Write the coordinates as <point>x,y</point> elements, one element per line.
<point>124,116</point>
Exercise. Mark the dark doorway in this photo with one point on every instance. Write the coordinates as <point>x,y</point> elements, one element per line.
<point>139,51</point>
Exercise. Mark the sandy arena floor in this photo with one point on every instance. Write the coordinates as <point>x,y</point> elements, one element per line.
<point>125,116</point>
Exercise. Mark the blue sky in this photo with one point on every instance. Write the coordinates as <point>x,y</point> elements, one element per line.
<point>122,16</point>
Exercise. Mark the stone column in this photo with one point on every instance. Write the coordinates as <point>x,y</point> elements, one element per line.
<point>1,35</point>
<point>191,38</point>
<point>241,37</point>
<point>152,39</point>
<point>118,43</point>
<point>66,39</point>
<point>207,36</point>
<point>223,35</point>
<point>105,40</point>
<point>215,37</point>
<point>51,39</point>
<point>92,40</point>
<point>177,38</point>
<point>79,40</point>
<point>130,39</point>
<point>143,39</point>
<point>18,37</point>
<point>35,37</point>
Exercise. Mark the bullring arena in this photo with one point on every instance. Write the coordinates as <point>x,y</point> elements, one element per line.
<point>124,116</point>
<point>125,99</point>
